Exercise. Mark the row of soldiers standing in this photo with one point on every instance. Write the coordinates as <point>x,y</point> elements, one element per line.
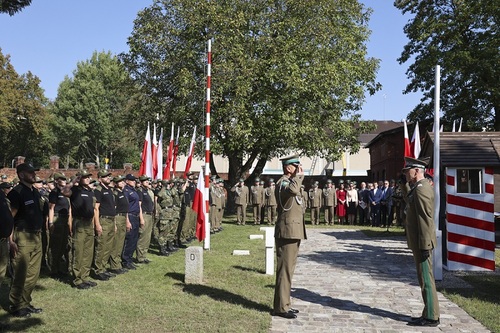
<point>262,199</point>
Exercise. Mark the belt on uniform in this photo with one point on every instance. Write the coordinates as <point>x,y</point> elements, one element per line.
<point>62,215</point>
<point>85,219</point>
<point>121,214</point>
<point>148,213</point>
<point>106,217</point>
<point>136,215</point>
<point>30,231</point>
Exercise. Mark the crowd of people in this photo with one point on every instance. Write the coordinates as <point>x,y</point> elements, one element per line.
<point>378,204</point>
<point>80,228</point>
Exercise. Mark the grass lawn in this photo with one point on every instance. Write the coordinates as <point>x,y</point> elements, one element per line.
<point>236,295</point>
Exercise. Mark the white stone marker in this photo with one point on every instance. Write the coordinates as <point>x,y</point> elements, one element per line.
<point>194,265</point>
<point>269,249</point>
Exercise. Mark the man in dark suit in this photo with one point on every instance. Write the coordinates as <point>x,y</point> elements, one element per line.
<point>386,204</point>
<point>375,197</point>
<point>289,231</point>
<point>421,236</point>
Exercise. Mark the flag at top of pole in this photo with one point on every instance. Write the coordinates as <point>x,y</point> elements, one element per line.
<point>190,154</point>
<point>159,174</point>
<point>154,154</point>
<point>166,172</point>
<point>415,142</point>
<point>407,141</point>
<point>146,161</point>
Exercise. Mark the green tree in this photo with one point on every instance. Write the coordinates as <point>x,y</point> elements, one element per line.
<point>13,6</point>
<point>23,116</point>
<point>287,75</point>
<point>92,113</point>
<point>463,38</point>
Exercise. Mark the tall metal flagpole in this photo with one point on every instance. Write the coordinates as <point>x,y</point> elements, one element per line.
<point>206,244</point>
<point>438,251</point>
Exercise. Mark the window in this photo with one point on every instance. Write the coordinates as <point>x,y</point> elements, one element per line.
<point>469,181</point>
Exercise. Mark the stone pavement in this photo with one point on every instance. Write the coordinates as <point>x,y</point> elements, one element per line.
<point>347,282</point>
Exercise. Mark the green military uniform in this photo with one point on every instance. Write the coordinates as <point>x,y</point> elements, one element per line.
<point>270,203</point>
<point>421,235</point>
<point>241,198</point>
<point>216,198</point>
<point>168,220</point>
<point>257,200</point>
<point>289,231</point>
<point>329,202</point>
<point>223,200</point>
<point>315,203</point>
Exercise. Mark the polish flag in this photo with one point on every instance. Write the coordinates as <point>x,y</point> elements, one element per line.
<point>176,152</point>
<point>407,141</point>
<point>146,160</point>
<point>200,207</point>
<point>166,172</point>
<point>159,174</point>
<point>190,154</point>
<point>415,142</point>
<point>154,154</point>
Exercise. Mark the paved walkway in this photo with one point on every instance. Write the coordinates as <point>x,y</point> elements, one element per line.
<point>347,282</point>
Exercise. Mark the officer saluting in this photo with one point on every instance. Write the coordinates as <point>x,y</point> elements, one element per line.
<point>289,231</point>
<point>421,235</point>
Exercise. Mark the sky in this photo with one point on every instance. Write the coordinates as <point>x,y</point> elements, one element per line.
<point>50,37</point>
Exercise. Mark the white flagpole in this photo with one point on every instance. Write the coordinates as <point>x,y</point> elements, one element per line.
<point>438,251</point>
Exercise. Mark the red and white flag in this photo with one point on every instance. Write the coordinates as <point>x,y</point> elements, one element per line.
<point>200,207</point>
<point>166,172</point>
<point>159,174</point>
<point>415,142</point>
<point>154,154</point>
<point>407,141</point>
<point>190,154</point>
<point>176,152</point>
<point>146,160</point>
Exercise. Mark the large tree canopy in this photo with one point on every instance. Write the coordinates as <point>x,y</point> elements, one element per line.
<point>13,6</point>
<point>287,74</point>
<point>93,113</point>
<point>462,37</point>
<point>23,116</point>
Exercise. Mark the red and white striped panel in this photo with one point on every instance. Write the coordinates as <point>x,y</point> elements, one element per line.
<point>470,225</point>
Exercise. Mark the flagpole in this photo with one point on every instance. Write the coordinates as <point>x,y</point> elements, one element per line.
<point>206,244</point>
<point>438,252</point>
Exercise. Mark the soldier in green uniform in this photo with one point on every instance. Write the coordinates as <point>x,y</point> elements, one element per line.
<point>215,199</point>
<point>421,236</point>
<point>315,203</point>
<point>270,202</point>
<point>256,200</point>
<point>329,202</point>
<point>241,198</point>
<point>104,221</point>
<point>164,225</point>
<point>289,231</point>
<point>82,209</point>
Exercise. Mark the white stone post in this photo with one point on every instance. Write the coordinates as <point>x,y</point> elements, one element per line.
<point>269,240</point>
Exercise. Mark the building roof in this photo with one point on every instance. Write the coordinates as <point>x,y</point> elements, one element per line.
<point>466,149</point>
<point>381,126</point>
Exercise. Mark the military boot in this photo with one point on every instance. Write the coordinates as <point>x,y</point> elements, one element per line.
<point>164,250</point>
<point>171,247</point>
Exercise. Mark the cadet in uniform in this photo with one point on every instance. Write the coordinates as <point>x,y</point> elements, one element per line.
<point>215,199</point>
<point>256,200</point>
<point>421,236</point>
<point>104,220</point>
<point>289,231</point>
<point>148,214</point>
<point>240,200</point>
<point>122,226</point>
<point>59,226</point>
<point>220,183</point>
<point>329,202</point>
<point>315,203</point>
<point>82,210</point>
<point>270,202</point>
<point>26,241</point>
<point>136,221</point>
<point>165,225</point>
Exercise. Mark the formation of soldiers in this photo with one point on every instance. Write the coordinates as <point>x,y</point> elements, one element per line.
<point>376,204</point>
<point>79,227</point>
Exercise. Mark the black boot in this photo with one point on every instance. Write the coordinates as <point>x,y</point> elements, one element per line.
<point>180,245</point>
<point>164,250</point>
<point>170,247</point>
